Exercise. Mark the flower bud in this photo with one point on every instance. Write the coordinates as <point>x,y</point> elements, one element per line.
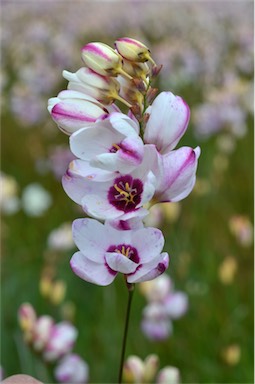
<point>102,59</point>
<point>61,341</point>
<point>42,332</point>
<point>73,110</point>
<point>103,88</point>
<point>136,70</point>
<point>151,364</point>
<point>132,50</point>
<point>168,375</point>
<point>27,319</point>
<point>133,370</point>
<point>129,92</point>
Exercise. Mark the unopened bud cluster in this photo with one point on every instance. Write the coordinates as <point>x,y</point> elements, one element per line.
<point>122,74</point>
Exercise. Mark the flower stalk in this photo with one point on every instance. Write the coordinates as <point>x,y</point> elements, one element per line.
<point>131,288</point>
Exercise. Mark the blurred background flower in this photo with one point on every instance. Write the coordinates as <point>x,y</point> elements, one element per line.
<point>206,49</point>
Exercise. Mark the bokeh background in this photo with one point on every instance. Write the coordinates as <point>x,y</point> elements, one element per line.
<point>206,48</point>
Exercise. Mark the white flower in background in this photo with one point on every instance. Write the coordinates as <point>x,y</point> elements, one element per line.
<point>61,238</point>
<point>72,369</point>
<point>9,201</point>
<point>35,200</point>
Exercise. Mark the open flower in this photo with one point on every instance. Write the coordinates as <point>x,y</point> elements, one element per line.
<point>109,195</point>
<point>112,144</point>
<point>72,110</point>
<point>105,251</point>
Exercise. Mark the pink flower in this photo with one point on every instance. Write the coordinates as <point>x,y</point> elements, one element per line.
<point>72,369</point>
<point>112,144</point>
<point>108,195</point>
<point>61,341</point>
<point>105,251</point>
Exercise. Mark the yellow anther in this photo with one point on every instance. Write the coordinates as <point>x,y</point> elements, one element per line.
<point>116,146</point>
<point>126,194</point>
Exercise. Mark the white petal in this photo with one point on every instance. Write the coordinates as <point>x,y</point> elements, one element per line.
<point>91,238</point>
<point>90,271</point>
<point>120,263</point>
<point>149,243</point>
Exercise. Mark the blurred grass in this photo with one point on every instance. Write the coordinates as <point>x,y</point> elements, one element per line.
<point>218,316</point>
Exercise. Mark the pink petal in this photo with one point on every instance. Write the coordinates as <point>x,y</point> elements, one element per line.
<point>150,270</point>
<point>168,121</point>
<point>177,174</point>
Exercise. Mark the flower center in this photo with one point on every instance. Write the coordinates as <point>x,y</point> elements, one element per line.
<point>115,148</point>
<point>126,193</point>
<point>126,250</point>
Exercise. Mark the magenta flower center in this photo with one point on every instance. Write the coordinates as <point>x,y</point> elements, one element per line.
<point>126,193</point>
<point>126,250</point>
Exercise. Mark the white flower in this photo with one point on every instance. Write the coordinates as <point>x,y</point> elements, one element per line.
<point>105,251</point>
<point>35,200</point>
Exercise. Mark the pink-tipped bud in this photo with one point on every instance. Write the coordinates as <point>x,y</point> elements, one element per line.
<point>133,370</point>
<point>136,70</point>
<point>27,319</point>
<point>73,110</point>
<point>151,364</point>
<point>42,332</point>
<point>102,59</point>
<point>103,88</point>
<point>132,50</point>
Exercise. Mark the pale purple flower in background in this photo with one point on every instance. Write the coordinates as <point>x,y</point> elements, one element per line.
<point>61,340</point>
<point>164,304</point>
<point>156,324</point>
<point>105,251</point>
<point>72,369</point>
<point>59,159</point>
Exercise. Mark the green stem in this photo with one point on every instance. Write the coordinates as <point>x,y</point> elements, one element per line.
<point>131,288</point>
